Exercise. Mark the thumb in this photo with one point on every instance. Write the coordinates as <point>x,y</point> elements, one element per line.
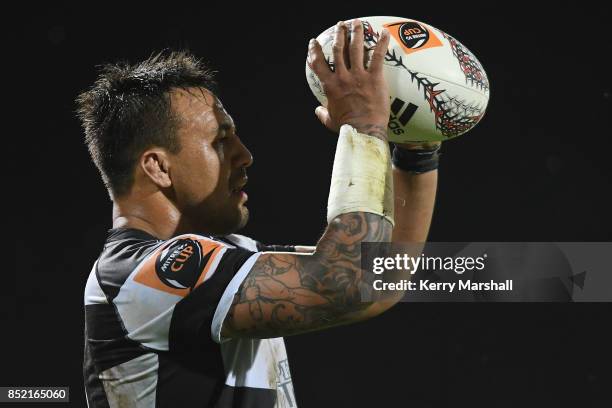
<point>323,115</point>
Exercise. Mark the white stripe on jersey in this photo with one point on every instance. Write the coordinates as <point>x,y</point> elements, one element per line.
<point>228,297</point>
<point>93,292</point>
<point>145,312</point>
<point>133,383</point>
<point>242,241</point>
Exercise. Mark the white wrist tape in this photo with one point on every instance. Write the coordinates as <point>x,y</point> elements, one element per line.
<point>361,179</point>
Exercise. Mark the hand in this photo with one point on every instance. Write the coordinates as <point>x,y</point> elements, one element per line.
<point>356,95</point>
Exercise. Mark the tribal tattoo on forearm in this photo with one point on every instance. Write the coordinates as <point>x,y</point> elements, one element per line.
<point>287,294</point>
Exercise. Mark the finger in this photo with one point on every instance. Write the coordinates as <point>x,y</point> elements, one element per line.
<point>316,60</point>
<point>338,46</point>
<point>323,115</point>
<point>356,46</point>
<point>378,56</point>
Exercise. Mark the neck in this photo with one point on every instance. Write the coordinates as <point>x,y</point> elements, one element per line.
<point>152,213</point>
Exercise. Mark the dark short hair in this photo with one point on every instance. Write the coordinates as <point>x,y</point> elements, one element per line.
<point>127,110</point>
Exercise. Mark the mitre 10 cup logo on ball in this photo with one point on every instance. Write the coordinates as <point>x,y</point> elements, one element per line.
<point>413,35</point>
<point>438,88</point>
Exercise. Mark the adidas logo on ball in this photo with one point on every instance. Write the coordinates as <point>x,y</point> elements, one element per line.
<point>396,124</point>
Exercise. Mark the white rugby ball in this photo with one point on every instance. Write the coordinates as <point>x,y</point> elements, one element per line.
<point>438,88</point>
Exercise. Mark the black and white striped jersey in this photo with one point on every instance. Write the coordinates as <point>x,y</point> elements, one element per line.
<point>153,315</point>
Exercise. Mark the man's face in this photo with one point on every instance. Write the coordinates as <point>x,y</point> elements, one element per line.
<point>209,172</point>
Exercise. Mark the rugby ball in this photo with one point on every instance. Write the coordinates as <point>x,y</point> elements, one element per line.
<point>439,90</point>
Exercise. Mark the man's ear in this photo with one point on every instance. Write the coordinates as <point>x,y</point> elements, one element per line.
<point>155,163</point>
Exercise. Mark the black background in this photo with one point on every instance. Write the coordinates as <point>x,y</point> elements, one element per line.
<point>537,168</point>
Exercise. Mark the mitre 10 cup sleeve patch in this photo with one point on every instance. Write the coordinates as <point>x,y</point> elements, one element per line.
<point>179,266</point>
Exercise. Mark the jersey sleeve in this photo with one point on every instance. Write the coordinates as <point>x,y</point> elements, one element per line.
<point>177,297</point>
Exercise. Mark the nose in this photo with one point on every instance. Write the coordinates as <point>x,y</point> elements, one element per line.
<point>244,158</point>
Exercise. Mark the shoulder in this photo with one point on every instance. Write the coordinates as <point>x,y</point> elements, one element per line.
<point>177,263</point>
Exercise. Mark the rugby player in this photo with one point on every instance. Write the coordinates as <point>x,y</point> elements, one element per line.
<point>180,310</point>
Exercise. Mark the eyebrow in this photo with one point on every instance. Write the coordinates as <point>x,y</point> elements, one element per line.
<point>224,126</point>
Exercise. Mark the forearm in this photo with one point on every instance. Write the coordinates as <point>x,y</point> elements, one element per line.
<point>415,195</point>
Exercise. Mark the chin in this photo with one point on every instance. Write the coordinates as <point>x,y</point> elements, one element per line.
<point>243,219</point>
<point>224,220</point>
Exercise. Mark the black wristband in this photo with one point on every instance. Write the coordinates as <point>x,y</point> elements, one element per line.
<point>416,161</point>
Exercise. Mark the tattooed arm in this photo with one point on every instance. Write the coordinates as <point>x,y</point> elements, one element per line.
<point>289,293</point>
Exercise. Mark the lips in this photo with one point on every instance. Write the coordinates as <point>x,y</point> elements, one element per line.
<point>240,185</point>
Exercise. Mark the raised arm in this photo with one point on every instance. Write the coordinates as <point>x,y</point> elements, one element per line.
<point>415,196</point>
<point>289,293</point>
